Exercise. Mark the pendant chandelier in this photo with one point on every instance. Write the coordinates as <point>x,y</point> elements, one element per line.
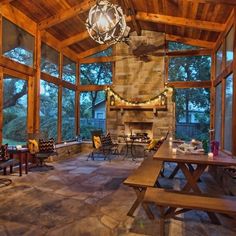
<point>106,23</point>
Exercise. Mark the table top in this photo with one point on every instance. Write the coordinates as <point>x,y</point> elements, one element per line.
<point>164,153</point>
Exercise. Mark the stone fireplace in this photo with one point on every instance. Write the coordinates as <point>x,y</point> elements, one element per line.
<point>136,79</point>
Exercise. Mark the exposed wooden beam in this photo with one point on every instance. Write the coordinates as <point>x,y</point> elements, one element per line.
<point>13,65</point>
<point>180,21</point>
<point>130,6</point>
<point>190,41</point>
<point>66,14</point>
<point>92,87</point>
<point>190,84</point>
<point>93,51</point>
<point>74,39</point>
<point>186,53</point>
<point>224,2</point>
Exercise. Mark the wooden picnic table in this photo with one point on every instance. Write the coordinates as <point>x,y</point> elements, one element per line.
<point>183,160</point>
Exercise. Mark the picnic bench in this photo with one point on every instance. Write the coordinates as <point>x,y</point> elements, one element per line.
<point>168,199</point>
<point>144,176</point>
<point>8,163</point>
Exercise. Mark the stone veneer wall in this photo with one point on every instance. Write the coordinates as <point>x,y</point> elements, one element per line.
<point>135,79</point>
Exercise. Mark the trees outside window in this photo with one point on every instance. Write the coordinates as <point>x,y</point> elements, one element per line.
<point>14,110</point>
<point>68,114</point>
<point>48,110</point>
<point>69,70</point>
<point>92,112</point>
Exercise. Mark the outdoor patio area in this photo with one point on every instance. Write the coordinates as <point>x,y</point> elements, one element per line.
<point>81,197</point>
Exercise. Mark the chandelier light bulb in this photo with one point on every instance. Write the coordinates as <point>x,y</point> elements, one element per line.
<point>106,23</point>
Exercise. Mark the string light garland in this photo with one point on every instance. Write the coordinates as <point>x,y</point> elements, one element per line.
<point>158,99</point>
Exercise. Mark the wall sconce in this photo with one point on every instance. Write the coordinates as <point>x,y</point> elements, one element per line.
<point>112,100</point>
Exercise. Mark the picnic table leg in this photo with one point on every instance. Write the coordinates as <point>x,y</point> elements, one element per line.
<point>173,174</point>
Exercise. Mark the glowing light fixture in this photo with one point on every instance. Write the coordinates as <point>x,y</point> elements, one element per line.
<point>106,23</point>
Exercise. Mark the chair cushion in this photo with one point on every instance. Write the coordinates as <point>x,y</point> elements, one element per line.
<point>152,144</point>
<point>4,154</point>
<point>46,145</point>
<point>97,142</point>
<point>33,146</point>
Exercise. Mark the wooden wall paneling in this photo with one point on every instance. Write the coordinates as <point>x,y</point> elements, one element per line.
<point>59,116</point>
<point>1,103</point>
<point>37,66</point>
<point>30,110</point>
<point>225,2</point>
<point>234,91</point>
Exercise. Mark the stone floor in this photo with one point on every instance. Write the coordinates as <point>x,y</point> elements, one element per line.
<point>80,197</point>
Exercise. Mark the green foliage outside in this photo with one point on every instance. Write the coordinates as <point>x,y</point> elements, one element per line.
<point>194,103</point>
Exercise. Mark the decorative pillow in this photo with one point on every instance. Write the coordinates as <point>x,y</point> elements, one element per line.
<point>33,146</point>
<point>46,145</point>
<point>152,144</point>
<point>97,141</point>
<point>4,154</point>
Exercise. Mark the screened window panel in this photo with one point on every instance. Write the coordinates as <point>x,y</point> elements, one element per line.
<point>228,113</point>
<point>68,114</point>
<point>96,73</point>
<point>175,46</point>
<point>49,60</point>
<point>192,113</point>
<point>219,60</point>
<point>48,110</point>
<point>107,52</point>
<point>69,70</point>
<point>218,111</point>
<point>230,46</point>
<point>92,112</point>
<point>195,68</point>
<point>17,44</point>
<point>14,110</point>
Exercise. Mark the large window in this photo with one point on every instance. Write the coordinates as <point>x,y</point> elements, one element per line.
<point>49,60</point>
<point>17,44</point>
<point>228,113</point>
<point>192,113</point>
<point>14,110</point>
<point>218,111</point>
<point>92,112</point>
<point>174,46</point>
<point>68,114</point>
<point>48,110</point>
<point>194,68</point>
<point>96,73</point>
<point>68,70</point>
<point>230,46</point>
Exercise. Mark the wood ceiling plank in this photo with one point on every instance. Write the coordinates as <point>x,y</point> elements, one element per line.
<point>190,41</point>
<point>179,21</point>
<point>69,13</point>
<point>2,2</point>
<point>224,2</point>
<point>193,16</point>
<point>130,5</point>
<point>75,39</point>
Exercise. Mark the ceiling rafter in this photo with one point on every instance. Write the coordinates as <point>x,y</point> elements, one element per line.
<point>180,21</point>
<point>190,41</point>
<point>92,51</point>
<point>69,13</point>
<point>132,12</point>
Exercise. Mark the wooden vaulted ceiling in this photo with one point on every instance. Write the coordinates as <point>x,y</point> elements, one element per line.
<point>199,22</point>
